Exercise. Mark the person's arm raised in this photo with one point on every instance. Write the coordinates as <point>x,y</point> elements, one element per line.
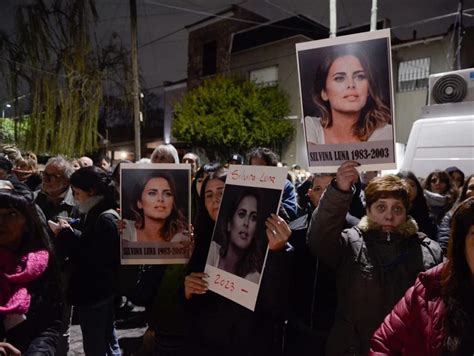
<point>324,232</point>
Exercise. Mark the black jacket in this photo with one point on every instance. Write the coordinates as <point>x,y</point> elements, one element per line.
<point>219,326</point>
<point>94,255</point>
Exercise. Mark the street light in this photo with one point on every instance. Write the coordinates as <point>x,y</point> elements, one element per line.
<point>3,110</point>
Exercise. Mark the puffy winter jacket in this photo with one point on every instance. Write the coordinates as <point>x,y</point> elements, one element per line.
<point>414,327</point>
<point>373,269</point>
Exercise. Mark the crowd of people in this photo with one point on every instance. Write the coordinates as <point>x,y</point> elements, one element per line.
<point>358,263</point>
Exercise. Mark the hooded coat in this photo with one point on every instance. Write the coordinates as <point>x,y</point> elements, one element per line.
<point>373,268</point>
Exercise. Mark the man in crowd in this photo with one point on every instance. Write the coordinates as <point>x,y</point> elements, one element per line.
<point>105,163</point>
<point>55,196</point>
<point>193,160</point>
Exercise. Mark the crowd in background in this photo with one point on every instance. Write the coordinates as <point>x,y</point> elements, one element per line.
<point>358,263</point>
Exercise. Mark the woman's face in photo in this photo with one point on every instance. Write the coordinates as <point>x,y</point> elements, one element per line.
<point>157,199</point>
<point>347,87</point>
<point>12,227</point>
<point>212,197</point>
<point>244,222</point>
<point>437,184</point>
<point>412,189</point>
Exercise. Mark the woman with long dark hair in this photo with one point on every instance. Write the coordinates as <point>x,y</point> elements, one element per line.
<point>30,305</point>
<point>219,326</point>
<point>157,216</point>
<point>436,315</point>
<point>237,248</point>
<point>444,231</point>
<point>440,194</point>
<point>93,250</point>
<point>350,105</point>
<point>418,206</point>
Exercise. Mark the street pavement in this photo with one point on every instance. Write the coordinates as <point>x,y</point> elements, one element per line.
<point>130,327</point>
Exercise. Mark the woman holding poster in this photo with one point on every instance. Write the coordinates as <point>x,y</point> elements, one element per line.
<point>240,252</point>
<point>375,262</point>
<point>220,326</point>
<point>157,216</point>
<point>348,100</point>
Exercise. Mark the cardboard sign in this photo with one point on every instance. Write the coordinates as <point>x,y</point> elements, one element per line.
<point>238,250</point>
<point>347,102</point>
<point>155,207</point>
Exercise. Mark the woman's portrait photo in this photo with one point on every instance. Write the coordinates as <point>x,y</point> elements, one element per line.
<point>239,243</point>
<point>155,205</point>
<point>345,92</point>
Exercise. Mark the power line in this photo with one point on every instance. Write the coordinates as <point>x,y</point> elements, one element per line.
<point>268,24</point>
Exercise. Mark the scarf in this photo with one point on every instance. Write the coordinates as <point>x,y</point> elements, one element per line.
<point>15,275</point>
<point>90,203</point>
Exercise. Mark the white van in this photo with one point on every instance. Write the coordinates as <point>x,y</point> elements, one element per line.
<point>443,137</point>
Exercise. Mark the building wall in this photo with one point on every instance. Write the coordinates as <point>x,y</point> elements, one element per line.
<point>408,104</point>
<point>283,55</point>
<point>221,32</point>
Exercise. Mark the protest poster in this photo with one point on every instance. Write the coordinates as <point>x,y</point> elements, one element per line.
<point>155,209</point>
<point>347,102</point>
<point>238,250</point>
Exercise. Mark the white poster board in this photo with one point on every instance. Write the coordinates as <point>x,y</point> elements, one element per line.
<point>346,91</point>
<point>239,245</point>
<point>156,213</point>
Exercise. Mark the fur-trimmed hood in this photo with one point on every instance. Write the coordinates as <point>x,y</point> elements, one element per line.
<point>408,228</point>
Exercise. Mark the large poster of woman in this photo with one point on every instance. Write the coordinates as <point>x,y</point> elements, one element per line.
<point>155,213</point>
<point>347,101</point>
<point>237,252</point>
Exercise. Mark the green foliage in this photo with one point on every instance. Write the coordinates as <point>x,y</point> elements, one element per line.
<point>7,131</point>
<point>58,58</point>
<point>229,114</point>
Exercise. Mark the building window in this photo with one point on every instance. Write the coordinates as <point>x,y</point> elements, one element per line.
<point>265,76</point>
<point>413,75</point>
<point>209,58</point>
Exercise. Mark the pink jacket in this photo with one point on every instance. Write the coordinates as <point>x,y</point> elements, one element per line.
<point>415,325</point>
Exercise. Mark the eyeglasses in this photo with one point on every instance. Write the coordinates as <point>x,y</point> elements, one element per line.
<point>435,180</point>
<point>48,176</point>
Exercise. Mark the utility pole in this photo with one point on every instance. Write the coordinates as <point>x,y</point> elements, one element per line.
<point>332,18</point>
<point>373,16</point>
<point>136,85</point>
<point>459,33</point>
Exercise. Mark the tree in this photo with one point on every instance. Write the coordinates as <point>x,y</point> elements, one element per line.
<point>232,114</point>
<point>59,59</point>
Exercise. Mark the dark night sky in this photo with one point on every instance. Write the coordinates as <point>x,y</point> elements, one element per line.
<point>166,59</point>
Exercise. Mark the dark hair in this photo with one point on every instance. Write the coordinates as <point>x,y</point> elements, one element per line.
<point>419,204</point>
<point>375,113</point>
<point>270,157</point>
<point>385,187</point>
<point>102,157</point>
<point>36,237</point>
<point>457,281</point>
<point>463,195</point>
<point>451,192</point>
<point>207,168</point>
<point>116,170</point>
<point>252,260</point>
<point>175,222</point>
<point>91,178</point>
<point>451,170</point>
<point>203,223</point>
